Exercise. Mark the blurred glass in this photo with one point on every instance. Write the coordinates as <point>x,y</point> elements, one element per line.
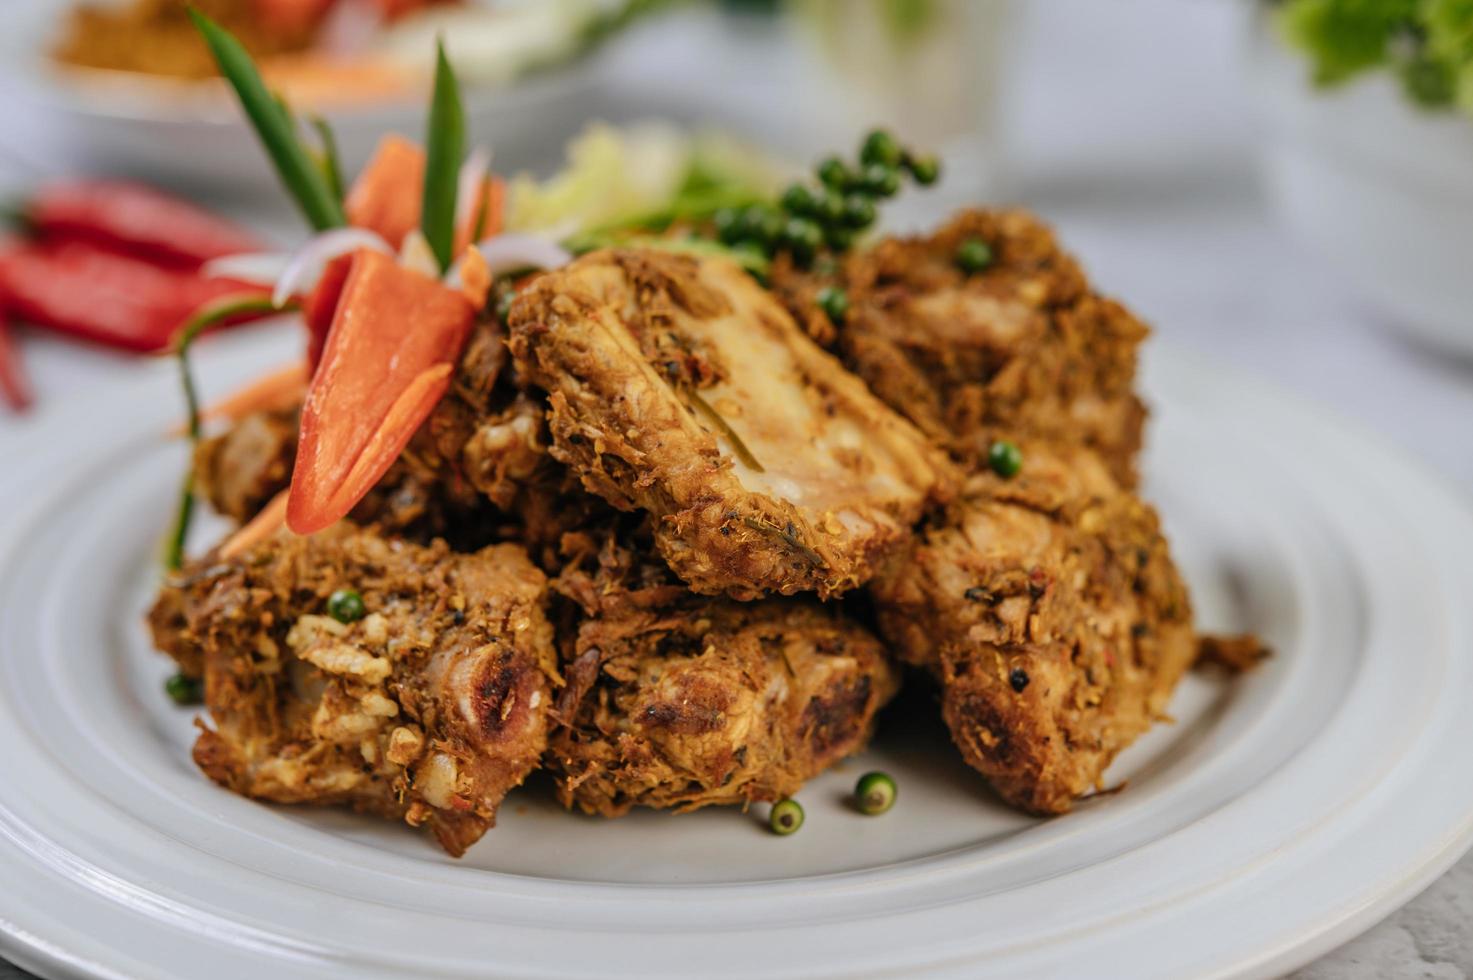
<point>930,70</point>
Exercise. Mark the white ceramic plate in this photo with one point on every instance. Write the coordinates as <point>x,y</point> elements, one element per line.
<point>1281,814</point>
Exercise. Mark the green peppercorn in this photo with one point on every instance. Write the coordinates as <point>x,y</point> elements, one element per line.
<point>925,169</point>
<point>838,237</point>
<point>802,238</point>
<point>728,223</point>
<point>346,606</point>
<point>859,211</point>
<point>874,793</point>
<point>880,180</point>
<point>973,255</point>
<point>831,207</point>
<point>834,173</point>
<point>880,147</point>
<point>184,690</point>
<point>1005,458</point>
<point>800,199</point>
<point>761,223</point>
<point>786,817</point>
<point>505,294</point>
<point>834,302</point>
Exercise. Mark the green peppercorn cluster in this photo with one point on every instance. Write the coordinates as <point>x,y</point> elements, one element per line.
<point>834,210</point>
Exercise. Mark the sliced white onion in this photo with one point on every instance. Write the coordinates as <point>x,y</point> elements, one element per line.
<point>415,253</point>
<point>257,268</point>
<point>307,262</point>
<point>518,250</point>
<point>473,174</point>
<point>512,251</point>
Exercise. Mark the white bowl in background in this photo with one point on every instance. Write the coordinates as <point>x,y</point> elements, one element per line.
<point>1382,188</point>
<point>189,134</point>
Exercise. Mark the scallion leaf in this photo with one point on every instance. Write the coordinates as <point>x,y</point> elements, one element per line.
<point>444,147</point>
<point>301,177</point>
<point>332,170</point>
<point>212,314</point>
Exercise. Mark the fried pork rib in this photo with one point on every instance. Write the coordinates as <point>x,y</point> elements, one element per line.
<point>681,387</point>
<point>681,701</point>
<point>429,709</point>
<point>1049,609</point>
<point>1021,348</point>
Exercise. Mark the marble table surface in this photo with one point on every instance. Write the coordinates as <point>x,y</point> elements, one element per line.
<point>1142,151</point>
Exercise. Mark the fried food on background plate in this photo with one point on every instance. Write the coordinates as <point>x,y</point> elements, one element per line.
<point>680,701</point>
<point>1048,608</point>
<point>428,708</point>
<point>1022,346</point>
<point>681,387</point>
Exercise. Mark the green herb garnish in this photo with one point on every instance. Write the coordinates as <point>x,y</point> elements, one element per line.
<point>210,315</point>
<point>444,147</point>
<point>328,161</point>
<point>299,174</point>
<point>1426,44</point>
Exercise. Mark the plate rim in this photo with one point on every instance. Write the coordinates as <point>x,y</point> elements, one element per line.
<point>33,951</point>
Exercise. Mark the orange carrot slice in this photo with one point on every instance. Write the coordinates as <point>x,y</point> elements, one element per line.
<point>386,197</point>
<point>278,389</point>
<point>475,277</point>
<point>265,524</point>
<point>375,384</point>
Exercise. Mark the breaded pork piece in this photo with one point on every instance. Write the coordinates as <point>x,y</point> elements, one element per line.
<point>1049,609</point>
<point>1023,347</point>
<point>681,387</point>
<point>428,709</point>
<point>682,701</point>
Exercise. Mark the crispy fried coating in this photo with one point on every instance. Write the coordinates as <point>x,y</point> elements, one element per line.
<point>1021,348</point>
<point>242,468</point>
<point>481,455</point>
<point>682,701</point>
<point>679,386</point>
<point>1049,609</point>
<point>429,709</point>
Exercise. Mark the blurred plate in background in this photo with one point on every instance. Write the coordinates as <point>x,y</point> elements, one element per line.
<point>526,89</point>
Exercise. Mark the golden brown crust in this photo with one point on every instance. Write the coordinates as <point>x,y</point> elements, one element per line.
<point>158,38</point>
<point>1050,611</point>
<point>429,709</point>
<point>1023,348</point>
<point>681,701</point>
<point>654,360</point>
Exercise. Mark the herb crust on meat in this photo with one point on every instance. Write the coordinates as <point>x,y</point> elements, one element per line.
<point>428,709</point>
<point>681,387</point>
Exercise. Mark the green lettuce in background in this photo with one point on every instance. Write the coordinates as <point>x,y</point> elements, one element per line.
<point>1427,44</point>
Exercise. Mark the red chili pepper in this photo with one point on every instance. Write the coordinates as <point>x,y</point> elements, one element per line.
<point>134,219</point>
<point>14,387</point>
<point>395,337</point>
<point>99,295</point>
